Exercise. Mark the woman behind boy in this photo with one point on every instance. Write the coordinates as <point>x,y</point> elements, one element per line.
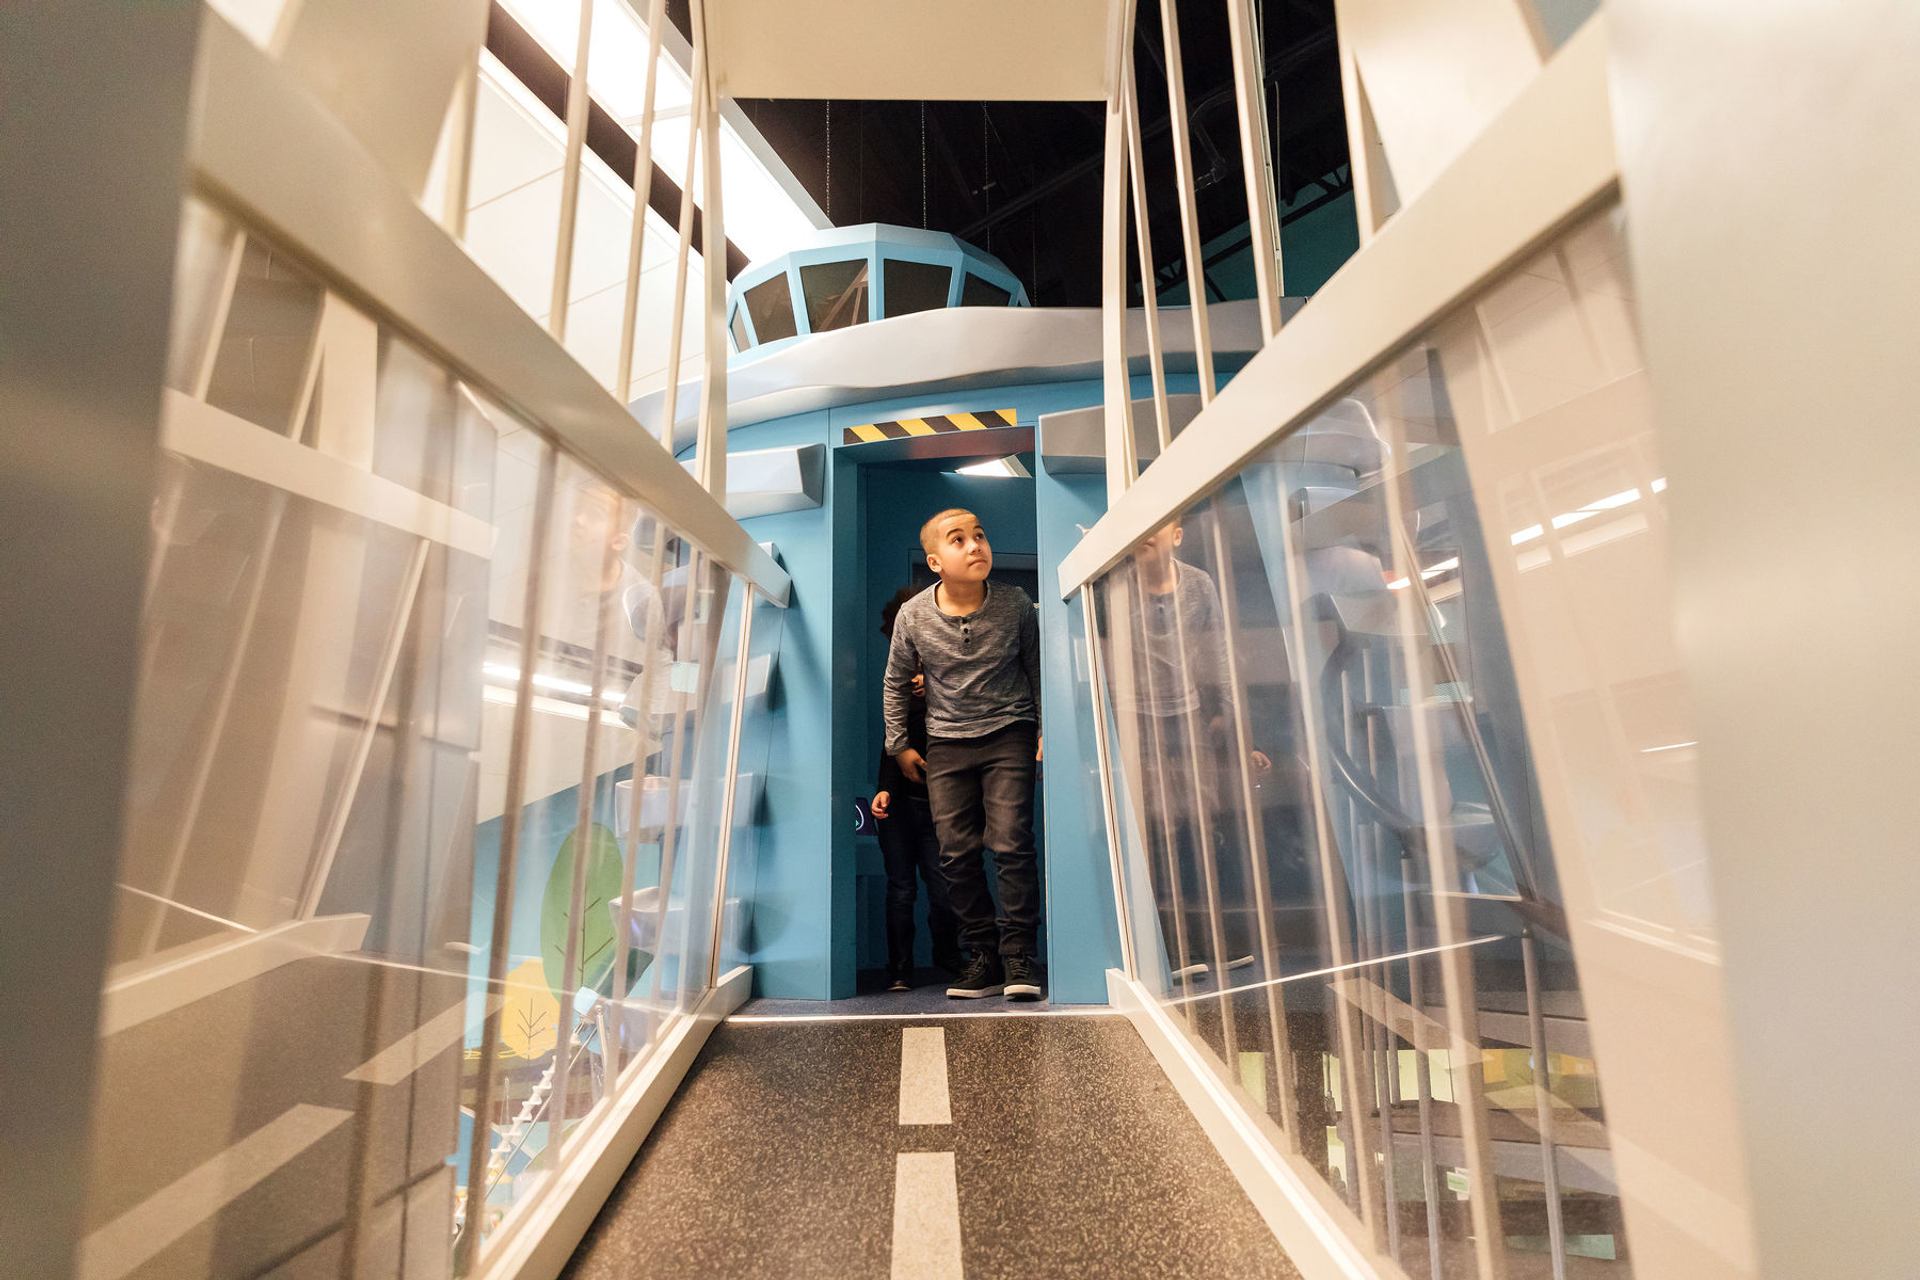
<point>903,819</point>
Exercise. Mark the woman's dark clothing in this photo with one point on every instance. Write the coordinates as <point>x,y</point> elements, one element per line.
<point>909,847</point>
<point>892,778</point>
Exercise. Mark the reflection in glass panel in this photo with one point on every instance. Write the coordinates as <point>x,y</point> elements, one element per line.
<point>916,286</point>
<point>739,327</point>
<point>300,839</point>
<point>567,864</point>
<point>377,911</point>
<point>1335,834</point>
<point>836,294</point>
<point>770,303</point>
<point>976,291</point>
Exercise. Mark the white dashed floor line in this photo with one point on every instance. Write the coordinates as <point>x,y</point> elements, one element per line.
<point>926,1190</point>
<point>926,1217</point>
<point>923,1076</point>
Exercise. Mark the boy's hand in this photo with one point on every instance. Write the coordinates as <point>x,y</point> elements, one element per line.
<point>880,802</point>
<point>1039,748</point>
<point>919,684</point>
<point>913,764</point>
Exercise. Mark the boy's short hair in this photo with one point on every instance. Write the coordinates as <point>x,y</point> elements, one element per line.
<point>931,527</point>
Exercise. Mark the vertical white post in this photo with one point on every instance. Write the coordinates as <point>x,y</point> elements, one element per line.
<point>642,198</point>
<point>466,101</point>
<point>1256,158</point>
<point>677,323</point>
<point>1143,241</point>
<point>710,453</point>
<point>1189,212</point>
<point>1105,764</point>
<point>730,797</point>
<point>578,104</point>
<point>1122,462</point>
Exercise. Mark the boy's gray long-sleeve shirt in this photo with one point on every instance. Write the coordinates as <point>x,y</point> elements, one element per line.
<point>983,670</point>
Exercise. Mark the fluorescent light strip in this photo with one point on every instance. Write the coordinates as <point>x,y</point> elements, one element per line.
<point>761,217</point>
<point>509,675</point>
<point>1671,746</point>
<point>550,706</point>
<point>1002,468</point>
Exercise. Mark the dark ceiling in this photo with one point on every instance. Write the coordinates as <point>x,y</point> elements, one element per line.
<point>1022,179</point>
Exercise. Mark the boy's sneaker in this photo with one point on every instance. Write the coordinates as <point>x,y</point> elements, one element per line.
<point>983,977</point>
<point>1023,979</point>
<point>899,982</point>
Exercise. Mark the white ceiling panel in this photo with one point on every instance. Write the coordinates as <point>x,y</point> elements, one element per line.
<point>996,50</point>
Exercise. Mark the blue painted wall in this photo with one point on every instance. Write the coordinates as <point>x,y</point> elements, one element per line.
<point>1079,879</point>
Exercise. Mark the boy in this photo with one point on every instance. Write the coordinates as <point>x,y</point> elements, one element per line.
<point>979,646</point>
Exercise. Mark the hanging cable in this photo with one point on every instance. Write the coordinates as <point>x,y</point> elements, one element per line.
<point>986,174</point>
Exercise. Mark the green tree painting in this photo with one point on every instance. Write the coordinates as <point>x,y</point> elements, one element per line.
<point>595,952</point>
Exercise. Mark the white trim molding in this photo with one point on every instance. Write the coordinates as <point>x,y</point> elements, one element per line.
<point>540,1242</point>
<point>1474,221</point>
<point>1301,1213</point>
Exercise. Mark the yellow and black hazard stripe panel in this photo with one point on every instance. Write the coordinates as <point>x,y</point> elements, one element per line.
<point>935,424</point>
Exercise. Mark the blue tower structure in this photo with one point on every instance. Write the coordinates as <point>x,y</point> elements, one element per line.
<point>872,369</point>
<point>853,275</point>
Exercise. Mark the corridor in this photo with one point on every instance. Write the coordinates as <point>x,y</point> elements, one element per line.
<point>823,1147</point>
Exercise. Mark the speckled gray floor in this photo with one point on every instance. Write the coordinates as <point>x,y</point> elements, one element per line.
<point>1074,1157</point>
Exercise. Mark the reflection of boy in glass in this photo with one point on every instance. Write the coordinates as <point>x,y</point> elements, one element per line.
<point>903,820</point>
<point>1182,699</point>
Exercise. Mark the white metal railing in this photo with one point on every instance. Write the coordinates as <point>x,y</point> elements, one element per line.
<point>266,150</point>
<point>1433,253</point>
<point>1436,254</point>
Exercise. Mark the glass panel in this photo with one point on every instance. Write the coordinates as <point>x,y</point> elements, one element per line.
<point>836,294</point>
<point>978,292</point>
<point>567,860</point>
<point>292,946</point>
<point>770,303</point>
<point>1327,781</point>
<point>916,286</point>
<point>386,930</point>
<point>740,339</point>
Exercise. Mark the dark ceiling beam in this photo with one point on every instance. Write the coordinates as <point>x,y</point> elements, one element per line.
<point>607,138</point>
<point>1277,67</point>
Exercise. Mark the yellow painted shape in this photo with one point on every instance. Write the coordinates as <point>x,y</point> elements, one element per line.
<point>869,433</point>
<point>530,1020</point>
<point>917,426</point>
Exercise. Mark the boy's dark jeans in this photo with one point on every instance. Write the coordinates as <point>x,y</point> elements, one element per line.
<point>909,846</point>
<point>982,793</point>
